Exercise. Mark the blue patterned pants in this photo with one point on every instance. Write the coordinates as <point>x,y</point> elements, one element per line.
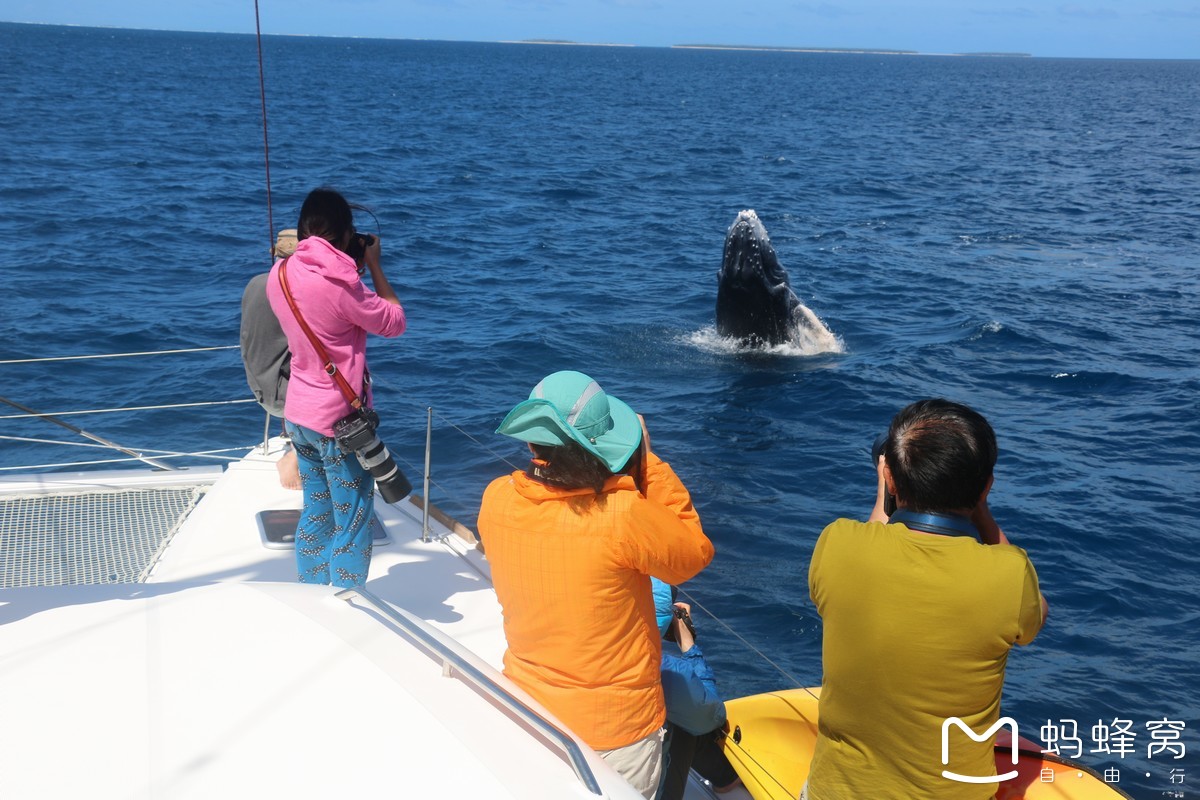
<point>333,539</point>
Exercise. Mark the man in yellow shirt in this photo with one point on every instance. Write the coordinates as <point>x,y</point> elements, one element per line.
<point>920,609</point>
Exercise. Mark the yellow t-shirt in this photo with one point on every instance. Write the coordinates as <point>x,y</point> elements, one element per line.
<point>917,628</point>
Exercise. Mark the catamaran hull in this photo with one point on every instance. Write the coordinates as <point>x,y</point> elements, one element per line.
<point>772,737</point>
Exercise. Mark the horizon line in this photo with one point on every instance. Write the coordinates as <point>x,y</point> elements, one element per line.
<point>569,42</point>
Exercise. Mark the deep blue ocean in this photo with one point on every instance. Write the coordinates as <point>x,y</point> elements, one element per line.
<point>1016,234</point>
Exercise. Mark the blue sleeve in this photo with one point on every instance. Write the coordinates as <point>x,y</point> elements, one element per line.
<point>693,702</point>
<point>664,601</point>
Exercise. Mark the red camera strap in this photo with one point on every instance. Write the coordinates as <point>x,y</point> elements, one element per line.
<point>330,368</point>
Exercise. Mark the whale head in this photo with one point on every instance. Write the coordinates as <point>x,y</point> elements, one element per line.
<point>755,301</point>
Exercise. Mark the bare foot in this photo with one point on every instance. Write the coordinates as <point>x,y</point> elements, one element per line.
<point>289,470</point>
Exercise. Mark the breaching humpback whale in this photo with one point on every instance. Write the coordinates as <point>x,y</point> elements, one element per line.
<point>755,301</point>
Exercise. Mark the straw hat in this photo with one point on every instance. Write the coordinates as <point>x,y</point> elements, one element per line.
<point>285,244</point>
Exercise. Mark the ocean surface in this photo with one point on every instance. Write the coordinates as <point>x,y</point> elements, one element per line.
<point>1016,234</point>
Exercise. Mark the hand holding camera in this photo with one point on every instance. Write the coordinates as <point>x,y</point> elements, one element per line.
<point>361,244</point>
<point>681,629</point>
<point>364,249</point>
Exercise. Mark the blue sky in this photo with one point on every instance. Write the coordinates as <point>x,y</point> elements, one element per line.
<point>1079,28</point>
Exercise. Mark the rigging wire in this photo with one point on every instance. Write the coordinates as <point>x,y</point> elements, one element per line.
<point>789,676</point>
<point>35,440</point>
<point>52,419</point>
<point>44,414</point>
<point>213,454</point>
<point>151,451</point>
<point>393,391</point>
<point>119,355</point>
<point>262,89</point>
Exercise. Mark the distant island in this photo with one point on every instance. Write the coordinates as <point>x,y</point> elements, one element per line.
<point>567,42</point>
<point>870,50</point>
<point>778,49</point>
<point>858,50</point>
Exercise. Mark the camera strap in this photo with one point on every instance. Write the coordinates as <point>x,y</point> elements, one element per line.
<point>330,368</point>
<point>942,524</point>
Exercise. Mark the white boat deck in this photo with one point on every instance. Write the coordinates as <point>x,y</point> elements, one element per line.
<point>223,676</point>
<point>446,581</point>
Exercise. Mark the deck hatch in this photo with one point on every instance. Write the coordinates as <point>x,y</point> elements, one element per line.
<point>277,529</point>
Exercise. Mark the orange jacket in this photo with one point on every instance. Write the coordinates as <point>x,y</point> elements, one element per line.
<point>571,570</point>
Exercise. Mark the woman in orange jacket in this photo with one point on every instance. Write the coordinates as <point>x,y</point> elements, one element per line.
<point>572,542</point>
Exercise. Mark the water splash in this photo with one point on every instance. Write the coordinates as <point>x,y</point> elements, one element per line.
<point>805,341</point>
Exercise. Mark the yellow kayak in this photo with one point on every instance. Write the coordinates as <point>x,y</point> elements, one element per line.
<point>772,736</point>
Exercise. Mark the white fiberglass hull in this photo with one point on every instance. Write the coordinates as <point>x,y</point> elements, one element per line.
<point>221,676</point>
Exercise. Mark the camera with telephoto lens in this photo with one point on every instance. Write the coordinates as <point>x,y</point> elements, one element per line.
<point>877,447</point>
<point>356,434</point>
<point>359,243</point>
<point>889,500</point>
<point>683,616</point>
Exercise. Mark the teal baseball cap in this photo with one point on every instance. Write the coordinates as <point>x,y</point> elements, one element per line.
<point>570,406</point>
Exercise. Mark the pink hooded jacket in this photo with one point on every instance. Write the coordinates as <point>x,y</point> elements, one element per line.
<point>341,311</point>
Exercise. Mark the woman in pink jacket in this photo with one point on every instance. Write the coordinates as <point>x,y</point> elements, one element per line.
<point>333,538</point>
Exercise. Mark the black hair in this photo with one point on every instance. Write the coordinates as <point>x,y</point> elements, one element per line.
<point>568,466</point>
<point>325,214</point>
<point>941,455</point>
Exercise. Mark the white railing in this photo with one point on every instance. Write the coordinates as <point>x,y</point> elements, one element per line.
<point>454,663</point>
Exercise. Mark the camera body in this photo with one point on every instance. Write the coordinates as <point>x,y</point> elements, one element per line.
<point>355,433</point>
<point>359,243</point>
